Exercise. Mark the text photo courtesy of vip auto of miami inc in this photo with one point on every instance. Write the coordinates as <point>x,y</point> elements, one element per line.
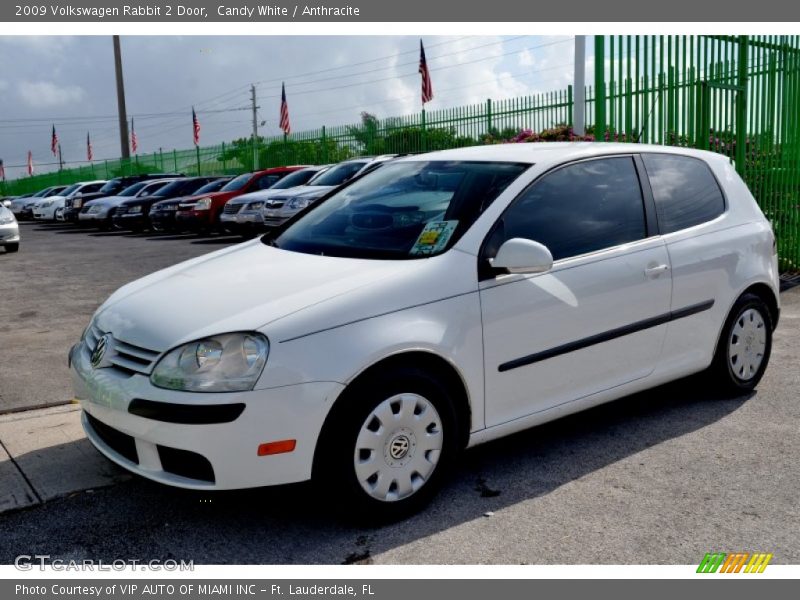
<point>400,299</point>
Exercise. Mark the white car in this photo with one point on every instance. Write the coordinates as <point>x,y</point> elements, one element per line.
<point>9,230</point>
<point>442,301</point>
<point>47,209</point>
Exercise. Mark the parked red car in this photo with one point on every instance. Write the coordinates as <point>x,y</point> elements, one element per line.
<point>201,213</point>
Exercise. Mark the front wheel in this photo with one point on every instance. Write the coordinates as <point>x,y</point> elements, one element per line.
<point>388,445</point>
<point>744,347</point>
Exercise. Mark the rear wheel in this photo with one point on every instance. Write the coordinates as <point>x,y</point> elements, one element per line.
<point>744,347</point>
<point>386,449</point>
<point>12,247</point>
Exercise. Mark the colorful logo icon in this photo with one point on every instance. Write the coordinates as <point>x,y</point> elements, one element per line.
<point>734,562</point>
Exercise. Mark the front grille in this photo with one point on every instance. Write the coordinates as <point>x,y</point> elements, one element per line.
<point>121,443</point>
<point>186,464</point>
<point>121,210</point>
<point>124,356</point>
<point>232,209</point>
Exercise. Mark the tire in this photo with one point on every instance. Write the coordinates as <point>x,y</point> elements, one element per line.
<point>12,247</point>
<point>388,445</point>
<point>743,349</point>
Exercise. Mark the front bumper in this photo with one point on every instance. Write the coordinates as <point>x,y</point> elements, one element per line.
<point>163,220</point>
<point>9,234</point>
<point>72,214</point>
<point>131,221</point>
<point>193,221</point>
<point>149,447</point>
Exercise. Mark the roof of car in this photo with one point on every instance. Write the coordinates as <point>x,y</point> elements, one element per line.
<point>540,152</point>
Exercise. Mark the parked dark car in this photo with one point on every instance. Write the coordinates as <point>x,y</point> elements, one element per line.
<point>162,214</point>
<point>134,214</point>
<point>72,206</point>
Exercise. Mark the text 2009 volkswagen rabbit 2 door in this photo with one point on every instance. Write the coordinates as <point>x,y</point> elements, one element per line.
<point>441,301</point>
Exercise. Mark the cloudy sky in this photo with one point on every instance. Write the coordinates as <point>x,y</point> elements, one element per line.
<point>69,82</point>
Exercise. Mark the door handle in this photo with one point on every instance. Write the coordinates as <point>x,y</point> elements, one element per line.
<point>656,271</point>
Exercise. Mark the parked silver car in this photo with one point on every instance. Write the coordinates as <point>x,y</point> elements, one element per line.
<point>9,230</point>
<point>279,208</point>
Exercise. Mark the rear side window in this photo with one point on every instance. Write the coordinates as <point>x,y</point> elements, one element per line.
<point>685,191</point>
<point>580,208</point>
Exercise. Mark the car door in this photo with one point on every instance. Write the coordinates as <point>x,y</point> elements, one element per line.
<point>597,319</point>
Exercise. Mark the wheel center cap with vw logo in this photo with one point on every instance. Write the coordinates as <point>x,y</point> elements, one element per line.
<point>100,350</point>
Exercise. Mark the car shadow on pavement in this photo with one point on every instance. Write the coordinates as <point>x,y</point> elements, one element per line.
<point>294,524</point>
<point>220,240</point>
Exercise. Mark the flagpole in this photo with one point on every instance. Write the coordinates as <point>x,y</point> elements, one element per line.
<point>60,158</point>
<point>197,148</point>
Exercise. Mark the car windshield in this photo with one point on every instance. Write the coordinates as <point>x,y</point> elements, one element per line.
<point>177,187</point>
<point>214,186</point>
<point>339,174</point>
<point>238,183</point>
<point>294,179</point>
<point>132,190</point>
<point>403,210</point>
<point>70,189</point>
<point>110,187</point>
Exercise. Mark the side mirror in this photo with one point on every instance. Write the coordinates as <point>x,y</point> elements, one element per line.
<point>519,255</point>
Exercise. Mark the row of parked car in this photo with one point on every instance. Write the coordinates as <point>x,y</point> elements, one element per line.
<point>171,202</point>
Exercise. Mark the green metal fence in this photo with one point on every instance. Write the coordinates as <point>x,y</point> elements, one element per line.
<point>736,95</point>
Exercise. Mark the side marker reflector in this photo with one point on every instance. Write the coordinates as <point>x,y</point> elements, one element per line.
<point>280,447</point>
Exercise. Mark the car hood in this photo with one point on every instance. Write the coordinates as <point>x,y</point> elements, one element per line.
<point>304,190</point>
<point>241,288</point>
<point>108,201</point>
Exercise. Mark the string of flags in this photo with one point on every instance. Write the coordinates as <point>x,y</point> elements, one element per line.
<point>426,95</point>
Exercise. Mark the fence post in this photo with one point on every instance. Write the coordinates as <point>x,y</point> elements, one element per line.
<point>741,107</point>
<point>424,132</point>
<point>571,109</point>
<point>599,88</point>
<point>488,115</point>
<point>224,167</point>
<point>106,167</point>
<point>175,160</point>
<point>161,158</point>
<point>324,146</point>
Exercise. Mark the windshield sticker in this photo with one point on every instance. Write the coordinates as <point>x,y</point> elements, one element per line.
<point>433,238</point>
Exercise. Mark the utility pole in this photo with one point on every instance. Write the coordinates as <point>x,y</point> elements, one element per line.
<point>579,87</point>
<point>123,115</point>
<point>255,127</point>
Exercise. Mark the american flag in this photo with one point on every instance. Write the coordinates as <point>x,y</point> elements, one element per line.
<point>195,127</point>
<point>30,163</point>
<point>427,87</point>
<point>89,153</point>
<point>2,171</point>
<point>135,140</point>
<point>284,124</point>
<point>54,142</point>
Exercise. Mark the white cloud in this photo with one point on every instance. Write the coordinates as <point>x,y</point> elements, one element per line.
<point>46,94</point>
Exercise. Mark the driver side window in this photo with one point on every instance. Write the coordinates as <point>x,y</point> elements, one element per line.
<point>577,209</point>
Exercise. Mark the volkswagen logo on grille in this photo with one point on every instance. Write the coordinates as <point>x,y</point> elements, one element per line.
<point>100,350</point>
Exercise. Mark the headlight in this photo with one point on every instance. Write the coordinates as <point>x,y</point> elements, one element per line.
<point>203,204</point>
<point>77,203</point>
<point>94,209</point>
<point>134,209</point>
<point>256,206</point>
<point>47,204</point>
<point>300,203</point>
<point>231,362</point>
<point>5,219</point>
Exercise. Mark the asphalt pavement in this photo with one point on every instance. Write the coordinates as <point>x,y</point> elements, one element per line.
<point>661,477</point>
